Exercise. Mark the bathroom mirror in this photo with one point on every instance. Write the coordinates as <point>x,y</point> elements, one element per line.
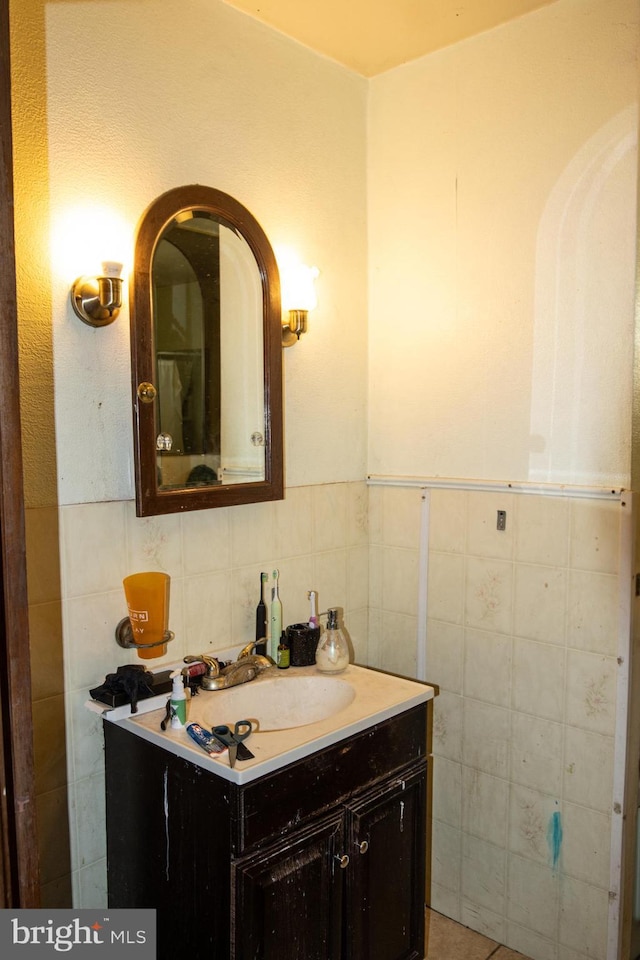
<point>206,356</point>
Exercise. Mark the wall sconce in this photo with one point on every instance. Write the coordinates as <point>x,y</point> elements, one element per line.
<point>97,300</point>
<point>294,327</point>
<point>298,297</point>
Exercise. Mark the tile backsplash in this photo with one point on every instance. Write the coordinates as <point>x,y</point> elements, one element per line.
<point>521,638</point>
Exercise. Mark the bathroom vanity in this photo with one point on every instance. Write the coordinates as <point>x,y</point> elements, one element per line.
<point>314,850</point>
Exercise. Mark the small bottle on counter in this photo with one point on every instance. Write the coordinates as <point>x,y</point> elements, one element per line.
<point>332,655</point>
<point>284,656</point>
<point>178,703</point>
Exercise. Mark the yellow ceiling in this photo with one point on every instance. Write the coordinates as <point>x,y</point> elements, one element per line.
<point>370,36</point>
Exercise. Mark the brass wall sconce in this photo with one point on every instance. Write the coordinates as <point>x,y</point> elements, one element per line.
<point>294,327</point>
<point>97,300</point>
<point>298,297</point>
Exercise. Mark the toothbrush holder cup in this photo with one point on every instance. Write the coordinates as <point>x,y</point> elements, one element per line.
<point>302,640</point>
<point>147,597</point>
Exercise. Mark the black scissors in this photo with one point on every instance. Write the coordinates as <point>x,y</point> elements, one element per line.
<point>231,739</point>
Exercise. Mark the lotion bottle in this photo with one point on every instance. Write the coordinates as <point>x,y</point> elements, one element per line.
<point>178,704</point>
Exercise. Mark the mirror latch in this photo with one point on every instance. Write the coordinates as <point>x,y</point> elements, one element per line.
<point>147,392</point>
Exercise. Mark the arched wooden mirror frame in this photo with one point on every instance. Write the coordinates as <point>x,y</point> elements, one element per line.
<point>151,499</point>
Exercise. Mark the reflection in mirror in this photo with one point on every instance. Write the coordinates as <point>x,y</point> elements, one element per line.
<point>206,286</point>
<point>207,313</point>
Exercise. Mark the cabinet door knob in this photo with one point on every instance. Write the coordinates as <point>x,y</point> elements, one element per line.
<point>363,846</point>
<point>343,860</point>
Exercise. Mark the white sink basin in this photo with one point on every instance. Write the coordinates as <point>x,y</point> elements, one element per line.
<point>296,713</point>
<point>277,703</point>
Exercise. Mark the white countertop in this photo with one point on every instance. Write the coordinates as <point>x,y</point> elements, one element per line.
<point>377,697</point>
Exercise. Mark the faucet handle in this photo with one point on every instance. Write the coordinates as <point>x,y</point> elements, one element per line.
<point>213,666</point>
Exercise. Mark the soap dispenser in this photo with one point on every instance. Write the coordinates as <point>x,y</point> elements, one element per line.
<point>332,654</point>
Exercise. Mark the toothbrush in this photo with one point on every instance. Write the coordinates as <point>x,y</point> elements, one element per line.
<point>276,618</point>
<point>261,611</point>
<point>313,619</point>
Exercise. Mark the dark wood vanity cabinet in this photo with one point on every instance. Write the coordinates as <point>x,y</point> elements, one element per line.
<point>348,886</point>
<point>387,837</point>
<point>288,899</point>
<point>323,859</point>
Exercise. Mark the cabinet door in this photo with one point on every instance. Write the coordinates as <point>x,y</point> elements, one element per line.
<point>386,841</point>
<point>168,844</point>
<point>287,898</point>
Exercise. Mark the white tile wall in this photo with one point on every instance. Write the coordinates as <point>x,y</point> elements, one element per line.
<point>522,639</point>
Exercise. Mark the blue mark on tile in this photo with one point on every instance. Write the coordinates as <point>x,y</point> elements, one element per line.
<point>554,837</point>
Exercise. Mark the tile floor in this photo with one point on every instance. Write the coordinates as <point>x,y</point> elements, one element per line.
<point>448,940</point>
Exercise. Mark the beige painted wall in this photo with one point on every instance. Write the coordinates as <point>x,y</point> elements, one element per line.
<point>502,178</point>
<point>502,231</point>
<point>212,97</point>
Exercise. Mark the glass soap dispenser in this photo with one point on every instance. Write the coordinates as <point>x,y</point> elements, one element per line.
<point>332,654</point>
